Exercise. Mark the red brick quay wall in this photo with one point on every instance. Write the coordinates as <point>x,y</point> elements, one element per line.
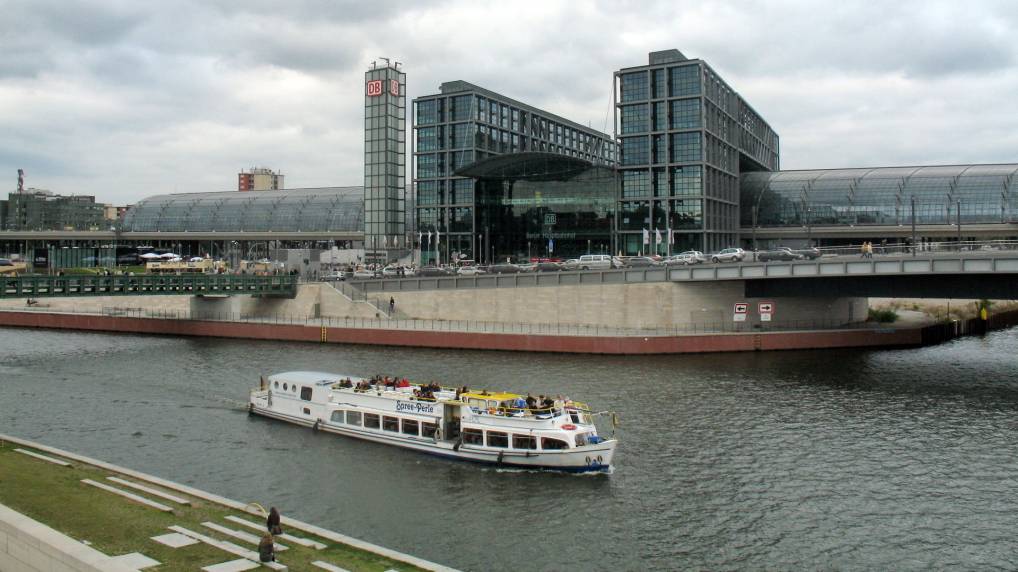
<point>617,345</point>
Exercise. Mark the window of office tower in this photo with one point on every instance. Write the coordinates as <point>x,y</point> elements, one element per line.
<point>636,150</point>
<point>686,114</point>
<point>461,107</point>
<point>427,112</point>
<point>686,147</point>
<point>685,80</point>
<point>635,184</point>
<point>635,118</point>
<point>634,86</point>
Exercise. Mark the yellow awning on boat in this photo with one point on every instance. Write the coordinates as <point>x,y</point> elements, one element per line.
<point>499,396</point>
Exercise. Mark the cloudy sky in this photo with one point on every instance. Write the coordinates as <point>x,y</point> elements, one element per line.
<point>126,99</point>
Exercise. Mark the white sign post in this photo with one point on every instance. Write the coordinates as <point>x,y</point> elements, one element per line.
<point>766,310</point>
<point>740,311</point>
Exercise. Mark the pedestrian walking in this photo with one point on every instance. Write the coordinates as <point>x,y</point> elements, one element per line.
<point>392,304</point>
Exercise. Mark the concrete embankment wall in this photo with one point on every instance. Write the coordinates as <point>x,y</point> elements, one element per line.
<point>749,341</point>
<point>643,305</point>
<point>27,545</point>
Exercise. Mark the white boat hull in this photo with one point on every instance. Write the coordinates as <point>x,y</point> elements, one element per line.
<point>591,458</point>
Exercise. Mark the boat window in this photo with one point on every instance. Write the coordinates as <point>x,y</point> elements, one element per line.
<point>337,417</point>
<point>305,393</point>
<point>428,429</point>
<point>307,411</point>
<point>581,439</point>
<point>498,439</point>
<point>410,427</point>
<point>371,421</point>
<point>553,444</point>
<point>473,437</point>
<point>353,417</point>
<point>478,403</point>
<point>524,442</point>
<point>276,384</point>
<point>390,423</point>
<point>285,387</point>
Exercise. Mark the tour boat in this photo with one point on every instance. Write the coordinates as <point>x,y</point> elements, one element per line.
<point>475,426</point>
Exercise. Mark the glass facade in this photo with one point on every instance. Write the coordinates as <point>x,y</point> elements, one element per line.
<point>563,218</point>
<point>464,124</point>
<point>684,138</point>
<point>881,196</point>
<point>384,163</point>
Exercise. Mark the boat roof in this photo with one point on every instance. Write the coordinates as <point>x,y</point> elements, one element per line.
<point>497,396</point>
<point>308,377</point>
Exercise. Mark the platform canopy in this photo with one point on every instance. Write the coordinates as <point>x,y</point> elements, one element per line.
<point>525,166</point>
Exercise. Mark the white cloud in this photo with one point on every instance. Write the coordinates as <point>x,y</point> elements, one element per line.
<point>125,100</point>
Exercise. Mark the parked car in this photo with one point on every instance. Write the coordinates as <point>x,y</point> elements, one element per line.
<point>596,262</point>
<point>728,255</point>
<point>571,264</point>
<point>5,262</point>
<point>432,271</point>
<point>363,274</point>
<point>505,268</point>
<point>780,253</point>
<point>391,270</point>
<point>549,267</point>
<point>693,257</point>
<point>337,276</point>
<point>527,267</point>
<point>470,270</point>
<point>811,253</point>
<point>639,262</point>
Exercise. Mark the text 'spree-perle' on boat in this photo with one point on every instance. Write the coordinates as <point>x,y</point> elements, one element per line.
<point>497,427</point>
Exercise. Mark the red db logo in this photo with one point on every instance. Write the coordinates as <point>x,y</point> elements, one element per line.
<point>394,87</point>
<point>375,87</point>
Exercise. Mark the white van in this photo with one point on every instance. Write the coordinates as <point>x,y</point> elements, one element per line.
<point>595,262</point>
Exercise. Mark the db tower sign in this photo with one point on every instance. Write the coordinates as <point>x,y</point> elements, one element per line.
<point>376,86</point>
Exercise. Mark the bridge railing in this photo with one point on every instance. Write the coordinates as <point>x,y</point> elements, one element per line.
<point>40,285</point>
<point>381,322</point>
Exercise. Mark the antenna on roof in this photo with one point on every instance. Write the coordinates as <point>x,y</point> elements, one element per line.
<point>397,64</point>
<point>386,61</point>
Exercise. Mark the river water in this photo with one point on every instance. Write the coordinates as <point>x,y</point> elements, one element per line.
<point>889,459</point>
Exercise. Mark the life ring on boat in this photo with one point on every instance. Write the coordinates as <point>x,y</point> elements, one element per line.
<point>569,426</point>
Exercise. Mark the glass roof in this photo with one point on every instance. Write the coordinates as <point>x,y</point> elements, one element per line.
<point>326,209</point>
<point>883,195</point>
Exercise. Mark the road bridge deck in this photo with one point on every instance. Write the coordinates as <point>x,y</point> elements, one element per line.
<point>978,274</point>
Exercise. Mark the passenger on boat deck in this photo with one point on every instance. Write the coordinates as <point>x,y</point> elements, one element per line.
<point>519,404</point>
<point>404,382</point>
<point>548,402</point>
<point>531,401</point>
<point>485,392</point>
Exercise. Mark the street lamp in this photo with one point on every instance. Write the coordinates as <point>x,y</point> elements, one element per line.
<point>913,226</point>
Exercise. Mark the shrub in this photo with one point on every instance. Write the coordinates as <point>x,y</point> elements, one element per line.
<point>882,315</point>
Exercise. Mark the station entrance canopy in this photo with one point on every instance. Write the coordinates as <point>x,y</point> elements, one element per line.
<point>542,205</point>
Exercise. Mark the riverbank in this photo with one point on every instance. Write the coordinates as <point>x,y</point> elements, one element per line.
<point>59,490</point>
<point>472,335</point>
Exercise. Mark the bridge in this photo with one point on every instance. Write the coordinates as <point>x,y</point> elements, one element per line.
<point>42,286</point>
<point>978,274</point>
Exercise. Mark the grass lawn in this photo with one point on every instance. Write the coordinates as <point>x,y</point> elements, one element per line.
<point>114,525</point>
